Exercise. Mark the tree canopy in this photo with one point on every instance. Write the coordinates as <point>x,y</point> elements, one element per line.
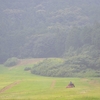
<point>54,28</point>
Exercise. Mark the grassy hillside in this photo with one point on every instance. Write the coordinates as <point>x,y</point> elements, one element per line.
<point>20,84</point>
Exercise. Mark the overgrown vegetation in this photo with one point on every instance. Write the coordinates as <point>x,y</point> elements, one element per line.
<point>27,69</point>
<point>54,28</point>
<point>75,66</point>
<point>11,62</point>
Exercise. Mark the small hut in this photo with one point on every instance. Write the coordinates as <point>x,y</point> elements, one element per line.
<point>70,85</point>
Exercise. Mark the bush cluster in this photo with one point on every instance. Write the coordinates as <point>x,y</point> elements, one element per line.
<point>11,62</point>
<point>27,68</point>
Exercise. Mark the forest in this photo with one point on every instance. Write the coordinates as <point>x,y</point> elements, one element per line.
<point>68,29</point>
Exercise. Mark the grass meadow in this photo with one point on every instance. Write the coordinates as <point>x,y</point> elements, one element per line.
<point>33,87</point>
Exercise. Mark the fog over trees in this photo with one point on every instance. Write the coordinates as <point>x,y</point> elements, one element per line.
<point>50,28</point>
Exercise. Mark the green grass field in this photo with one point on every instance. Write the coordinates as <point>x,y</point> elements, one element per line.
<point>32,87</point>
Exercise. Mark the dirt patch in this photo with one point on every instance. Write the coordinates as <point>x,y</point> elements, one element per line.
<point>53,84</point>
<point>24,62</point>
<point>9,86</point>
<point>29,61</point>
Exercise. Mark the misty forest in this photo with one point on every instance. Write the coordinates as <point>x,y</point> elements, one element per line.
<point>49,49</point>
<point>64,32</point>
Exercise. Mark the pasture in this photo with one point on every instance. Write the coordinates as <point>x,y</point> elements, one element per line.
<point>17,84</point>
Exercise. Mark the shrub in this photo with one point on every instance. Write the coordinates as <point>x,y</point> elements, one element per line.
<point>11,62</point>
<point>27,69</point>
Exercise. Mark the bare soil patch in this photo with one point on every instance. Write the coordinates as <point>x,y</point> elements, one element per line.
<point>9,86</point>
<point>53,84</point>
<point>24,62</point>
<point>30,61</point>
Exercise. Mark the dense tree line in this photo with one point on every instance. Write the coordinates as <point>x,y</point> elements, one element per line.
<point>54,28</point>
<point>75,66</point>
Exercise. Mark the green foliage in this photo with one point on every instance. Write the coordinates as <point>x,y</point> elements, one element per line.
<point>75,66</point>
<point>47,28</point>
<point>47,67</point>
<point>27,69</point>
<point>11,62</point>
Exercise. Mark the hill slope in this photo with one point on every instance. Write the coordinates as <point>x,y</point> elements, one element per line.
<point>19,84</point>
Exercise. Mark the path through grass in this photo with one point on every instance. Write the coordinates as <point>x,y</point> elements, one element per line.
<point>32,87</point>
